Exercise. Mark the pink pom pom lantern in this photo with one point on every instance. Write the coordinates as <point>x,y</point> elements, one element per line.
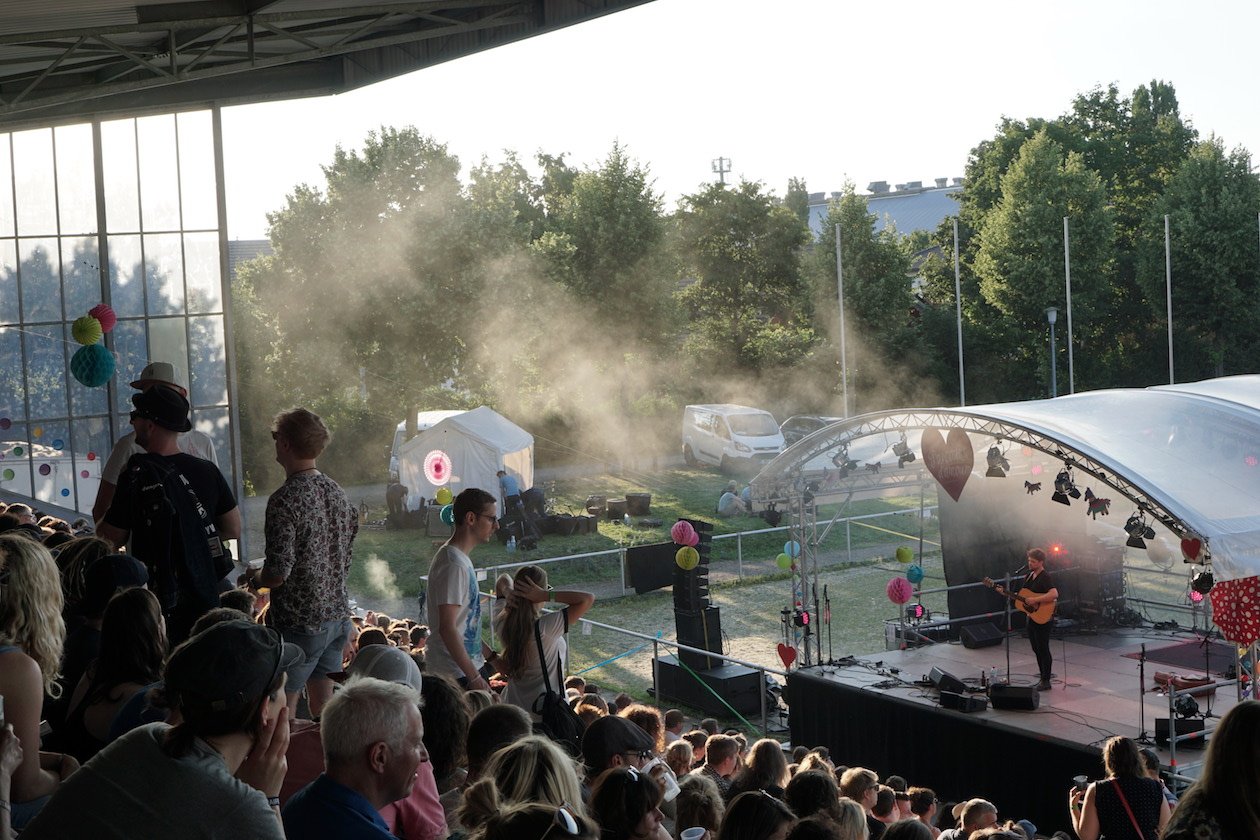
<point>899,590</point>
<point>105,314</point>
<point>682,532</point>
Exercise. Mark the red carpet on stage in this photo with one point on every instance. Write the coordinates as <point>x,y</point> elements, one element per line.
<point>1191,656</point>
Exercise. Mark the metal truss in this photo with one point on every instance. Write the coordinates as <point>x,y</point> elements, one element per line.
<point>40,70</point>
<point>784,480</point>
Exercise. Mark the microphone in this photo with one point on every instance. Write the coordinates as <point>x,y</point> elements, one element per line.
<point>1020,570</point>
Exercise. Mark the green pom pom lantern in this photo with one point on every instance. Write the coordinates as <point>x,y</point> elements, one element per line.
<point>443,496</point>
<point>86,330</point>
<point>904,554</point>
<point>92,364</point>
<point>784,561</point>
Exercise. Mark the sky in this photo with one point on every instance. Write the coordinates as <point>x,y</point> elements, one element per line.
<point>825,90</point>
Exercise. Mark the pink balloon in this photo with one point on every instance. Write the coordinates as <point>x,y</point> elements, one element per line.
<point>899,590</point>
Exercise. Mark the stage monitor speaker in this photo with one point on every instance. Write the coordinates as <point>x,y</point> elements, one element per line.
<point>945,681</point>
<point>963,702</point>
<point>650,567</point>
<point>1016,698</point>
<point>737,685</point>
<point>980,635</point>
<point>1185,726</point>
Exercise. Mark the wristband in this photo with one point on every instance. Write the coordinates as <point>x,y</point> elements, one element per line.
<point>273,801</point>
<point>5,806</point>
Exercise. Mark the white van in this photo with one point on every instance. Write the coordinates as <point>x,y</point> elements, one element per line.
<point>424,420</point>
<point>729,436</point>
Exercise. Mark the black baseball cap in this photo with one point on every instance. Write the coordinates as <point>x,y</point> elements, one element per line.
<point>164,406</point>
<point>228,667</point>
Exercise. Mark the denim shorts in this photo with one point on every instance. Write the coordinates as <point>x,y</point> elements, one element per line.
<point>321,649</point>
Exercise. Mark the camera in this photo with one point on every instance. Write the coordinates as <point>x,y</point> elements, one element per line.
<point>1081,782</point>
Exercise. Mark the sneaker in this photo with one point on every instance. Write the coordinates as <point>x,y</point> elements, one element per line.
<point>1044,685</point>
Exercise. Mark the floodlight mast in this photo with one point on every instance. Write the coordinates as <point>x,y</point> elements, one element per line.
<point>720,166</point>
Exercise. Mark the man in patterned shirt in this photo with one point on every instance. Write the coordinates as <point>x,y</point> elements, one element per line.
<point>310,528</point>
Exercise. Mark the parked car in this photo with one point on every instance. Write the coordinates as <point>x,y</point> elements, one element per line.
<point>729,436</point>
<point>801,425</point>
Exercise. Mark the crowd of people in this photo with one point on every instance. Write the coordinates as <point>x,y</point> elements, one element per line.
<point>143,696</point>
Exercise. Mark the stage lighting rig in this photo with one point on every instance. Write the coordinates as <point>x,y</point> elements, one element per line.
<point>843,462</point>
<point>902,450</point>
<point>1203,581</point>
<point>917,613</point>
<point>1138,530</point>
<point>998,465</point>
<point>1065,487</point>
<point>1185,706</point>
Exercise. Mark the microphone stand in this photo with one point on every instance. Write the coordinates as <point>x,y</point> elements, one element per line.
<point>1009,627</point>
<point>1142,737</point>
<point>831,660</point>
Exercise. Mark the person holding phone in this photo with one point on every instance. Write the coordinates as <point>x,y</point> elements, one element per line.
<point>1124,806</point>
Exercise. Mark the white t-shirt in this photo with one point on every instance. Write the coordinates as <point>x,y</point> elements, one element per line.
<point>452,580</point>
<point>523,690</point>
<point>192,443</point>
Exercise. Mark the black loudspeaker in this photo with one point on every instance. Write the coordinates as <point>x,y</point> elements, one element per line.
<point>737,685</point>
<point>649,567</point>
<point>963,702</point>
<point>703,630</point>
<point>1016,698</point>
<point>945,681</point>
<point>1184,727</point>
<point>980,636</point>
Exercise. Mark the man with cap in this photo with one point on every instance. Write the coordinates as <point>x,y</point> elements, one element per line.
<point>612,742</point>
<point>373,739</point>
<point>311,526</point>
<point>154,375</point>
<point>174,510</point>
<point>215,774</point>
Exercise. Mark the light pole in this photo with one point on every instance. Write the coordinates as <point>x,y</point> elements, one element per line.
<point>1052,315</point>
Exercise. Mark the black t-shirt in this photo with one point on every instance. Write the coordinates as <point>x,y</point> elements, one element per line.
<point>1041,584</point>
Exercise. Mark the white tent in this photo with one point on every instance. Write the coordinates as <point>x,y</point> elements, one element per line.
<point>479,443</point>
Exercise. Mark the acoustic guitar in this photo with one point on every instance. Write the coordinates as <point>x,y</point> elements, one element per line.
<point>1037,613</point>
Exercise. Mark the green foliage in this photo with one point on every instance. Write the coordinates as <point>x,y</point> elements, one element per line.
<point>797,199</point>
<point>747,300</point>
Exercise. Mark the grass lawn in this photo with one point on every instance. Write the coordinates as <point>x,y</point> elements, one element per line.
<point>390,563</point>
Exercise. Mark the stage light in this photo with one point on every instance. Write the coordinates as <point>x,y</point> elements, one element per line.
<point>902,450</point>
<point>998,465</point>
<point>1138,530</point>
<point>801,618</point>
<point>843,462</point>
<point>917,612</point>
<point>1185,706</point>
<point>1196,597</point>
<point>1064,487</point>
<point>1203,581</point>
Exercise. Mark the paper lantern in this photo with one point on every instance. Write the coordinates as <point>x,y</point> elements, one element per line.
<point>792,549</point>
<point>437,467</point>
<point>687,558</point>
<point>443,496</point>
<point>899,590</point>
<point>103,313</point>
<point>682,532</point>
<point>903,554</point>
<point>92,365</point>
<point>86,330</point>
<point>914,574</point>
<point>783,561</point>
<point>448,514</point>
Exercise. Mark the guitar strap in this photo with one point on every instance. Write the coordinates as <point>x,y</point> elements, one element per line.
<point>1115,785</point>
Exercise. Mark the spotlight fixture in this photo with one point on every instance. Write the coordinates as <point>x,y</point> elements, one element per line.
<point>1203,581</point>
<point>1185,706</point>
<point>917,612</point>
<point>998,465</point>
<point>1138,530</point>
<point>902,450</point>
<point>1065,487</point>
<point>843,462</point>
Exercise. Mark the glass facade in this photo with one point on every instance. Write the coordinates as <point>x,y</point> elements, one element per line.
<point>150,246</point>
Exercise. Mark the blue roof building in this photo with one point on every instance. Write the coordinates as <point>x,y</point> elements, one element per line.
<point>909,206</point>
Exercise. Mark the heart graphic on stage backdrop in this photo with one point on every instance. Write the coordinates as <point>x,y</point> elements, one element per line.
<point>787,654</point>
<point>1190,549</point>
<point>949,460</point>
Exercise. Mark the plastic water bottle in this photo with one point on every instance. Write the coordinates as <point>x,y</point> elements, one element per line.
<point>511,544</point>
<point>625,520</point>
<point>992,675</point>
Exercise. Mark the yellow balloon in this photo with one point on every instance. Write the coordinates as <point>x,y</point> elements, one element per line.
<point>443,496</point>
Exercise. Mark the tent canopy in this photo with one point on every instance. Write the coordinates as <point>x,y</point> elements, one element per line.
<point>479,443</point>
<point>1185,456</point>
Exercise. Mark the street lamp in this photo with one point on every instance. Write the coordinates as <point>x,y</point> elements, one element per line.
<point>1052,315</point>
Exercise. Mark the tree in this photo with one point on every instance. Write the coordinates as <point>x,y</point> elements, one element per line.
<point>1212,203</point>
<point>1020,255</point>
<point>797,199</point>
<point>747,299</point>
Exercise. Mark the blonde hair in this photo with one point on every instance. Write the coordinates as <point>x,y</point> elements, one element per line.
<point>532,769</point>
<point>30,605</point>
<point>517,630</point>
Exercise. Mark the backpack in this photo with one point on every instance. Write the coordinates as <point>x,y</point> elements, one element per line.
<point>559,722</point>
<point>178,539</point>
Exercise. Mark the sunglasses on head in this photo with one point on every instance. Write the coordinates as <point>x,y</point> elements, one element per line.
<point>564,821</point>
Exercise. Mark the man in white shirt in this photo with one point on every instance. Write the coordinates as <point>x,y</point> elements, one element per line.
<point>452,598</point>
<point>191,442</point>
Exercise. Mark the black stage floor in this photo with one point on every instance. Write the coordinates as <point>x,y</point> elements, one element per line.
<point>1023,761</point>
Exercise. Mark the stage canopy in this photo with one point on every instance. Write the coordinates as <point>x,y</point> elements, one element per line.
<point>1186,457</point>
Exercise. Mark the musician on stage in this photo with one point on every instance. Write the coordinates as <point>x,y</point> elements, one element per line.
<point>1043,591</point>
